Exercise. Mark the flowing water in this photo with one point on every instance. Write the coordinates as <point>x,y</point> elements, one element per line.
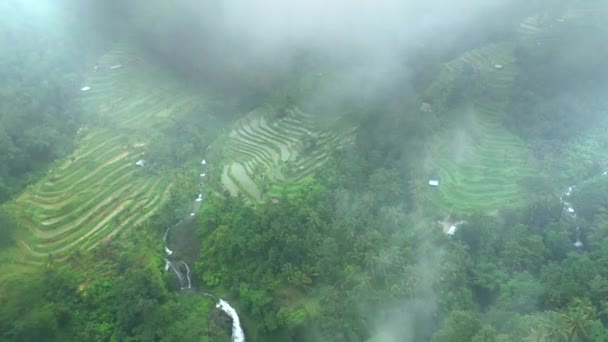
<point>578,243</point>
<point>182,271</point>
<point>569,210</point>
<point>237,332</point>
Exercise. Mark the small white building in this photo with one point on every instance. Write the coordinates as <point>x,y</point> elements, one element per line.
<point>433,182</point>
<point>141,163</point>
<point>498,66</point>
<point>85,88</point>
<point>452,230</point>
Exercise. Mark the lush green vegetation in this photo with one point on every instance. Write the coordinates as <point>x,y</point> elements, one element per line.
<point>479,164</point>
<point>98,190</point>
<point>554,98</point>
<point>36,125</point>
<point>318,223</point>
<point>269,153</point>
<point>124,297</point>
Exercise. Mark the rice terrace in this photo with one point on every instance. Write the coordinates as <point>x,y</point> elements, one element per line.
<point>99,190</point>
<point>302,171</point>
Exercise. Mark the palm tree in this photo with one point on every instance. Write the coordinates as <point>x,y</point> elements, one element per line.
<point>409,279</point>
<point>362,282</point>
<point>577,320</point>
<point>537,334</point>
<point>384,261</point>
<point>553,327</point>
<point>312,219</point>
<point>370,261</point>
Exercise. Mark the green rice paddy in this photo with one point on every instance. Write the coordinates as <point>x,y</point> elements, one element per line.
<point>98,191</point>
<point>268,155</point>
<point>480,164</point>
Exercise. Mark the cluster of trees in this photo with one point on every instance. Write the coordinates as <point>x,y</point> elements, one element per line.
<point>343,257</point>
<point>117,293</point>
<point>558,91</point>
<point>187,135</point>
<point>39,64</point>
<point>351,255</point>
<point>351,258</point>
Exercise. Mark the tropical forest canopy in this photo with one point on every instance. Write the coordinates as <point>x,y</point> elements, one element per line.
<point>395,170</point>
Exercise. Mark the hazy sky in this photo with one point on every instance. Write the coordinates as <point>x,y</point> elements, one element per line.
<point>374,28</point>
<point>268,28</point>
<point>232,40</point>
<point>373,22</point>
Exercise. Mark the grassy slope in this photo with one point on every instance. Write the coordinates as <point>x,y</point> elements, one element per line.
<point>480,163</point>
<point>98,191</point>
<point>266,155</point>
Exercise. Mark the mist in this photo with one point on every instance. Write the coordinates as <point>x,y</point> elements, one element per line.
<point>260,44</point>
<point>373,171</point>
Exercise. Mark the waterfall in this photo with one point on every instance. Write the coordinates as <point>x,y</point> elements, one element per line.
<point>179,274</point>
<point>237,332</point>
<point>578,243</point>
<point>569,209</point>
<point>185,283</point>
<point>187,274</point>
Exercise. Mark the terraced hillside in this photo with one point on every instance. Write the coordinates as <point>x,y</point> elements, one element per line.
<point>266,156</point>
<point>538,28</point>
<point>479,163</point>
<point>98,191</point>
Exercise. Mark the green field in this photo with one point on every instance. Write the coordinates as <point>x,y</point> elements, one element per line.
<point>98,191</point>
<point>480,164</point>
<point>266,155</point>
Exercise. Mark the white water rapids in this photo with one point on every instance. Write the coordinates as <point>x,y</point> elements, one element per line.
<point>184,280</point>
<point>569,209</point>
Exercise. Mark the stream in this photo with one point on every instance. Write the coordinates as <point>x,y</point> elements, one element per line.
<point>569,210</point>
<point>182,270</point>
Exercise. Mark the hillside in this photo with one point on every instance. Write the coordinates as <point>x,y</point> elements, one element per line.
<point>269,153</point>
<point>99,190</point>
<point>479,163</point>
<point>398,178</point>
